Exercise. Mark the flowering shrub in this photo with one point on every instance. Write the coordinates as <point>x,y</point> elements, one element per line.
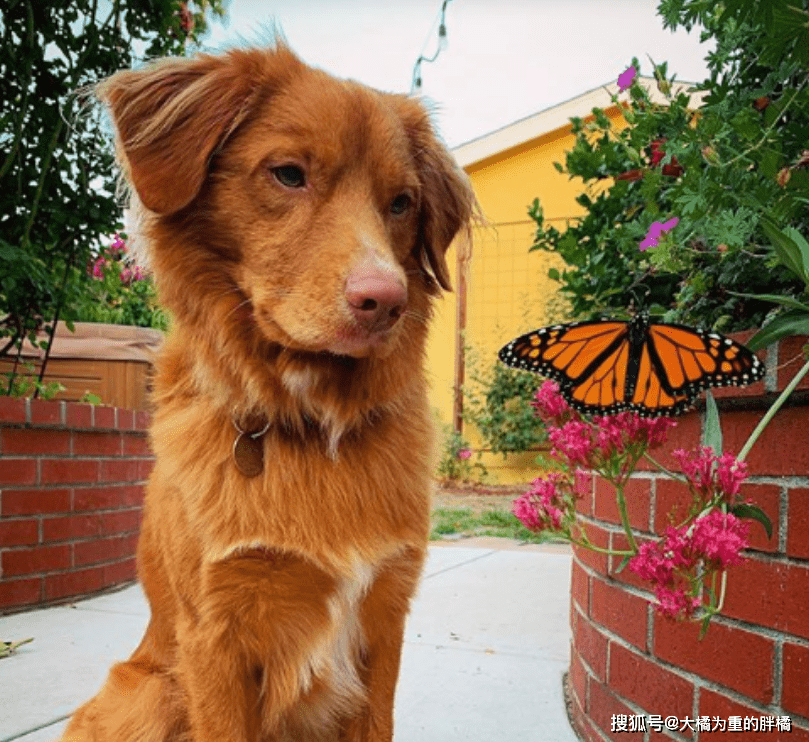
<point>725,171</point>
<point>120,293</point>
<point>686,563</point>
<point>456,461</point>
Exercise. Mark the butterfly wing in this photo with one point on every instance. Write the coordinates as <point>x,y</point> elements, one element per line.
<point>588,359</point>
<point>651,368</point>
<point>690,360</point>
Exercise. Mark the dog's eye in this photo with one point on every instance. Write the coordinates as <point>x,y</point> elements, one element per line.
<point>290,176</point>
<point>400,204</point>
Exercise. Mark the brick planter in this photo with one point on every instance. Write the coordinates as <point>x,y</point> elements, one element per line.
<point>71,491</point>
<point>754,661</point>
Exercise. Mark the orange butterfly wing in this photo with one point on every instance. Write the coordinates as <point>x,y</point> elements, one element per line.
<point>649,367</point>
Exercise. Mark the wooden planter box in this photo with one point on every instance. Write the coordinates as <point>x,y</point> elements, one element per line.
<point>71,491</point>
<point>627,661</point>
<point>110,361</point>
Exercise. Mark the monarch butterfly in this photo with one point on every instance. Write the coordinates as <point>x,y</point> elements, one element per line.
<point>649,367</point>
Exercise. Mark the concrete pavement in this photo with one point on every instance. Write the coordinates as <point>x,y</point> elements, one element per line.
<point>486,646</point>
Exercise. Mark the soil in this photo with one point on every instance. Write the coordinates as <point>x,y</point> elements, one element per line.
<point>477,497</point>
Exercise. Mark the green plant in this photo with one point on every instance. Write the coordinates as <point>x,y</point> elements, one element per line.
<point>26,383</point>
<point>56,163</point>
<point>456,460</point>
<point>722,170</point>
<point>465,522</point>
<point>496,402</point>
<point>120,293</point>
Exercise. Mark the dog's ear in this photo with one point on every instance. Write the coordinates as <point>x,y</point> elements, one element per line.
<point>172,115</point>
<point>447,199</point>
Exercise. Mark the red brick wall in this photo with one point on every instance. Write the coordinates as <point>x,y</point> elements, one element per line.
<point>754,660</point>
<point>71,491</point>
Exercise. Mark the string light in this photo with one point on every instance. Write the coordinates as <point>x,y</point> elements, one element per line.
<point>442,44</point>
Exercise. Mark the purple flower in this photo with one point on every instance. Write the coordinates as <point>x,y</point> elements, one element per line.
<point>655,231</point>
<point>626,78</point>
<point>464,454</point>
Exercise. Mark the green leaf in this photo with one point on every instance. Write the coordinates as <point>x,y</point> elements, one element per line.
<point>706,623</point>
<point>793,322</point>
<point>713,428</point>
<point>788,251</point>
<point>623,563</point>
<point>753,512</point>
<point>787,301</point>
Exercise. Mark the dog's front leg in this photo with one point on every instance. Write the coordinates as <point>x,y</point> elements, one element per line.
<point>242,660</point>
<point>384,612</point>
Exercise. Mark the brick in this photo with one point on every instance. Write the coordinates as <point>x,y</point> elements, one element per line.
<point>118,470</point>
<point>637,496</point>
<point>626,575</point>
<point>69,471</point>
<point>580,587</point>
<point>12,410</point>
<point>105,550</point>
<point>122,521</point>
<point>768,498</point>
<point>136,445</point>
<point>603,704</point>
<point>16,593</point>
<point>794,696</point>
<point>577,680</point>
<point>104,417</point>
<point>791,360</point>
<point>33,561</point>
<point>47,412</point>
<point>619,611</point>
<point>591,646</point>
<point>124,571</point>
<point>780,451</point>
<point>685,435</point>
<point>735,658</point>
<point>713,704</point>
<point>672,502</point>
<point>18,471</point>
<point>641,680</point>
<point>126,419</point>
<point>35,501</point>
<point>78,416</point>
<point>97,444</point>
<point>594,559</point>
<point>72,527</point>
<point>107,497</point>
<point>798,522</point>
<point>143,420</point>
<point>19,532</point>
<point>79,582</point>
<point>145,467</point>
<point>30,441</point>
<point>781,595</point>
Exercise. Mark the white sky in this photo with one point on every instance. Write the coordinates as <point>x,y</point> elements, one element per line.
<point>505,59</point>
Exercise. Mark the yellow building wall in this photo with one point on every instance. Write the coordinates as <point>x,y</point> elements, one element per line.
<point>508,288</point>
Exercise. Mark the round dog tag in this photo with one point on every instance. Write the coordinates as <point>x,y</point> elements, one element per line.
<point>248,453</point>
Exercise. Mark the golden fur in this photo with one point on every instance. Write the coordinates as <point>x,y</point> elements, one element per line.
<point>278,601</point>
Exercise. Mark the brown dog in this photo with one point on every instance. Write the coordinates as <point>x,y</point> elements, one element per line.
<point>297,226</point>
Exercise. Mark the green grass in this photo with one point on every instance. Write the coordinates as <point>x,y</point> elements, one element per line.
<point>465,522</point>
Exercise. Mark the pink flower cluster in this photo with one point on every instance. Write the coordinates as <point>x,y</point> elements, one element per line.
<point>677,564</point>
<point>708,474</point>
<point>114,253</point>
<point>580,443</point>
<point>709,541</point>
<point>550,504</point>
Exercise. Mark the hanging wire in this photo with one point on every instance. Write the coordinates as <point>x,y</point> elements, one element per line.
<point>442,44</point>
